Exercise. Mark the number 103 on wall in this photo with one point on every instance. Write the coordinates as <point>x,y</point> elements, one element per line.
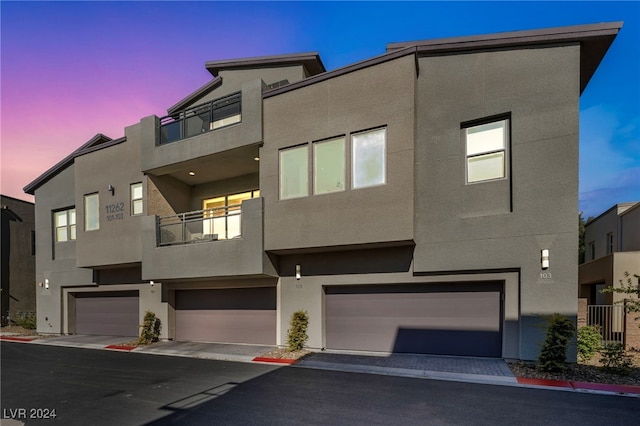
<point>545,275</point>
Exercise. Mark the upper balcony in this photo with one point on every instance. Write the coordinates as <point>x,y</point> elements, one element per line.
<point>203,131</point>
<point>200,119</point>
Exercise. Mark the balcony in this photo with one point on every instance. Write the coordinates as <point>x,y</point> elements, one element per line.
<point>200,119</point>
<point>206,244</point>
<point>221,223</point>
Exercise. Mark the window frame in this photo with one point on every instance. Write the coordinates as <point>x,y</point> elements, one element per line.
<point>505,150</point>
<point>610,243</point>
<point>70,226</point>
<point>133,200</point>
<point>315,166</point>
<point>86,212</point>
<point>305,187</point>
<point>353,137</point>
<point>592,249</point>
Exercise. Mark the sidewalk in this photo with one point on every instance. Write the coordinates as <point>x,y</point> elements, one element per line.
<point>462,369</point>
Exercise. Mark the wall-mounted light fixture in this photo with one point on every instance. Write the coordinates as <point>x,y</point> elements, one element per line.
<point>111,189</point>
<point>192,173</point>
<point>298,274</point>
<point>151,283</point>
<point>544,258</point>
<point>46,283</point>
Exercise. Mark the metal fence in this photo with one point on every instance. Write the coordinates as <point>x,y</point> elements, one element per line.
<point>220,223</point>
<point>609,319</point>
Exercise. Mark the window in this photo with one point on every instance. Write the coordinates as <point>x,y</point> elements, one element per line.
<point>486,146</point>
<point>294,172</point>
<point>328,166</point>
<point>91,212</point>
<point>65,225</point>
<point>136,198</point>
<point>369,158</point>
<point>222,215</point>
<point>592,249</point>
<point>610,243</point>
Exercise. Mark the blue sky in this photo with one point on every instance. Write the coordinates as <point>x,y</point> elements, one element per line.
<point>70,70</point>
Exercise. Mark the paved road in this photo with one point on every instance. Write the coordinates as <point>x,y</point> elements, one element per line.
<point>94,387</point>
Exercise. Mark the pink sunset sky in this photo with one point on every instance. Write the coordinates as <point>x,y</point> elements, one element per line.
<point>70,70</point>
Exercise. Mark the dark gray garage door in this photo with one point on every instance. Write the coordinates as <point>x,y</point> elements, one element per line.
<point>239,315</point>
<point>107,313</point>
<point>452,319</point>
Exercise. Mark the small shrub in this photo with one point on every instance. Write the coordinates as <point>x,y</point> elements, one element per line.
<point>554,349</point>
<point>26,320</point>
<point>614,359</point>
<point>297,336</point>
<point>589,342</point>
<point>151,327</point>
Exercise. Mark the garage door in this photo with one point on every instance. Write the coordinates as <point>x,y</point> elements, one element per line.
<point>107,313</point>
<point>451,319</point>
<point>239,315</point>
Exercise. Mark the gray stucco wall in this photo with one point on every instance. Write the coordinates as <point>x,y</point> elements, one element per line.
<point>56,194</point>
<point>118,239</point>
<point>456,227</point>
<point>378,96</point>
<point>630,229</point>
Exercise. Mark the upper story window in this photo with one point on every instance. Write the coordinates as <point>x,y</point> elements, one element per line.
<point>294,172</point>
<point>592,250</point>
<point>91,212</point>
<point>65,225</point>
<point>136,199</point>
<point>368,158</point>
<point>610,243</point>
<point>486,150</point>
<point>328,166</point>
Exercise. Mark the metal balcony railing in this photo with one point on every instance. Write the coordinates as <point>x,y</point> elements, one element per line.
<point>220,223</point>
<point>201,118</point>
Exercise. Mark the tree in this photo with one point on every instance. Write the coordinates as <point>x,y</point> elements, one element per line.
<point>628,286</point>
<point>581,232</point>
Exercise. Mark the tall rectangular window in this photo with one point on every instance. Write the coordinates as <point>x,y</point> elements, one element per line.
<point>328,166</point>
<point>91,212</point>
<point>136,199</point>
<point>592,250</point>
<point>369,158</point>
<point>65,225</point>
<point>294,172</point>
<point>610,243</point>
<point>486,146</point>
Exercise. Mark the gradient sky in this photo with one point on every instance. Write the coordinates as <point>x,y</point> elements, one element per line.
<point>70,70</point>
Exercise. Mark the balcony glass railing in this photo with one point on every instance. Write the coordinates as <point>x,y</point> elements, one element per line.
<point>220,223</point>
<point>200,119</point>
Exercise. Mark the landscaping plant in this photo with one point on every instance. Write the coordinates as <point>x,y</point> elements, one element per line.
<point>297,336</point>
<point>614,359</point>
<point>589,342</point>
<point>151,327</point>
<point>26,320</point>
<point>554,349</point>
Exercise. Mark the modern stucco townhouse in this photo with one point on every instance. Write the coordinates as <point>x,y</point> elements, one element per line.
<point>422,201</point>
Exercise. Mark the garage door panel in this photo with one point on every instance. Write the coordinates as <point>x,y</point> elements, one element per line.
<point>107,315</point>
<point>437,322</point>
<point>246,315</point>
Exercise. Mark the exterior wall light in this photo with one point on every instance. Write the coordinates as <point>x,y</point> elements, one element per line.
<point>298,275</point>
<point>151,283</point>
<point>46,283</point>
<point>544,258</point>
<point>111,189</point>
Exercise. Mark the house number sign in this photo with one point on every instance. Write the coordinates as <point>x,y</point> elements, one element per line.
<point>115,211</point>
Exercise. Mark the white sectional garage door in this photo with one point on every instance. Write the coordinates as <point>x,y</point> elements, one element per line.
<point>452,319</point>
<point>238,315</point>
<point>107,313</point>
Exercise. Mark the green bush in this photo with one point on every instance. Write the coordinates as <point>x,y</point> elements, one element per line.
<point>297,336</point>
<point>150,329</point>
<point>554,349</point>
<point>26,320</point>
<point>615,359</point>
<point>589,342</point>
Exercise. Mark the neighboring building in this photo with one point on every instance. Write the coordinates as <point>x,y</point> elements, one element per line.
<point>406,202</point>
<point>612,247</point>
<point>18,258</point>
